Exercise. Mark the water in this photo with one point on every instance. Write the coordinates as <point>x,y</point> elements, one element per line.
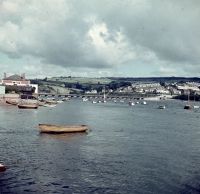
<point>139,149</point>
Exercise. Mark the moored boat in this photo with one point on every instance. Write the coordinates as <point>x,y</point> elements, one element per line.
<point>2,168</point>
<point>11,102</point>
<point>48,128</point>
<point>28,102</point>
<point>49,105</point>
<point>28,106</point>
<point>131,103</point>
<point>162,107</point>
<point>188,107</point>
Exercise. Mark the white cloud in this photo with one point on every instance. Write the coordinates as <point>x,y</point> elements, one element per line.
<point>100,35</point>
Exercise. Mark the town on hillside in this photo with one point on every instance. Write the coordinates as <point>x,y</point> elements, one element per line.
<point>12,86</point>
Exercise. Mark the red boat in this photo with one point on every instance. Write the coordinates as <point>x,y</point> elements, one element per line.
<point>2,168</point>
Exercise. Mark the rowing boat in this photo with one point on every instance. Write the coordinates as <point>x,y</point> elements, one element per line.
<point>28,106</point>
<point>48,128</point>
<point>11,102</point>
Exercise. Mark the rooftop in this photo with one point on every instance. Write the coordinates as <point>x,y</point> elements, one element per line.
<point>15,77</point>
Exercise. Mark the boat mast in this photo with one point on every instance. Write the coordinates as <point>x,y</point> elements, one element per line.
<point>104,95</point>
<point>188,96</point>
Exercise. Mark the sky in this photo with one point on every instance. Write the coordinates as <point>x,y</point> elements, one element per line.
<point>100,38</point>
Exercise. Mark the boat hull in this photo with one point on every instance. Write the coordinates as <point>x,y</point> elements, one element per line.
<point>2,168</point>
<point>187,107</point>
<point>46,128</point>
<point>11,102</point>
<point>27,106</point>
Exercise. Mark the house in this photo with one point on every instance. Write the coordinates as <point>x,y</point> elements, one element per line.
<point>15,80</point>
<point>19,83</point>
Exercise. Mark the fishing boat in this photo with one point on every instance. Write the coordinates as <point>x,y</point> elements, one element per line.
<point>2,168</point>
<point>48,128</point>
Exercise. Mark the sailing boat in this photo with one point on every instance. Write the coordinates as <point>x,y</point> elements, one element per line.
<point>104,95</point>
<point>188,106</point>
<point>195,106</point>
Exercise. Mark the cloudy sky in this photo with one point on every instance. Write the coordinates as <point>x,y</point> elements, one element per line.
<point>132,38</point>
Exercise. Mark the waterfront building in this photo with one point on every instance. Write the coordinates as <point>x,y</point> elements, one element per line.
<point>15,80</point>
<point>19,83</point>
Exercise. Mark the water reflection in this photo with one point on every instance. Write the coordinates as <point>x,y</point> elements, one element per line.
<point>63,136</point>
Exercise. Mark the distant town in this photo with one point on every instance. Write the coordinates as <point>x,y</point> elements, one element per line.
<point>176,87</point>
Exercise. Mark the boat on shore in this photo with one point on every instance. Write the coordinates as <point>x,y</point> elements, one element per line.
<point>48,128</point>
<point>11,102</point>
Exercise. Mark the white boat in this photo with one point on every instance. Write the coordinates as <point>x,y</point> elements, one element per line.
<point>144,102</point>
<point>131,103</point>
<point>94,102</point>
<point>162,107</point>
<point>59,101</point>
<point>104,96</point>
<point>195,106</point>
<point>84,99</point>
<point>49,105</point>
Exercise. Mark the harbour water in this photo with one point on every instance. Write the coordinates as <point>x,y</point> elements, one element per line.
<point>129,149</point>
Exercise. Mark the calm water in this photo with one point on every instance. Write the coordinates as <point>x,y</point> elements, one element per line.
<point>138,149</point>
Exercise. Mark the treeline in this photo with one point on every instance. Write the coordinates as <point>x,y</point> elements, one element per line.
<point>113,85</point>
